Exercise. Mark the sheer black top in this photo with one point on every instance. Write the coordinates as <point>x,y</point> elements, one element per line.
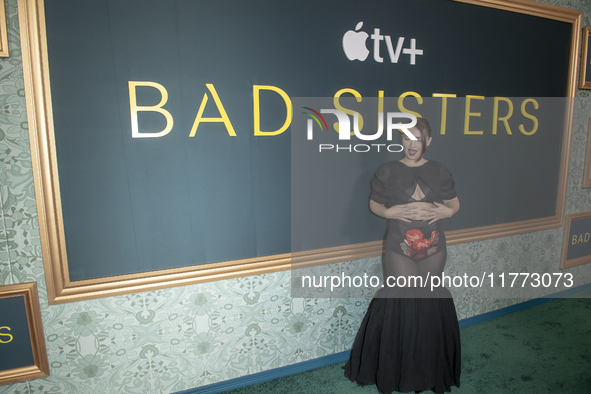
<point>395,183</point>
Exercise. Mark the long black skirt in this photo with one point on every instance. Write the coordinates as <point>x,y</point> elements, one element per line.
<point>407,344</point>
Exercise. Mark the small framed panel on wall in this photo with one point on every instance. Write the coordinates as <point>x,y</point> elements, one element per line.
<point>576,246</point>
<point>165,168</point>
<point>585,73</point>
<point>22,344</point>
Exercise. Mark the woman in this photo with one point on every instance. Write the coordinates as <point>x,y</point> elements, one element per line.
<point>409,339</point>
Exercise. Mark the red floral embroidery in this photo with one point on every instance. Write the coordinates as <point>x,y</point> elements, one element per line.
<point>413,235</point>
<point>407,249</point>
<point>422,244</point>
<point>415,244</point>
<point>435,237</point>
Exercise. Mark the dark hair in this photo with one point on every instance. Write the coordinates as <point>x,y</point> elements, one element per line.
<point>425,129</point>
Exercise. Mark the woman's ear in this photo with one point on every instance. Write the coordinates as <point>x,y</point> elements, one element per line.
<point>429,141</point>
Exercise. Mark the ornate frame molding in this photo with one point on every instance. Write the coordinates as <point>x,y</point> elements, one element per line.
<point>40,369</point>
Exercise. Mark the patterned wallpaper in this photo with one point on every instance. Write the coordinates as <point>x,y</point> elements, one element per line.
<point>170,340</point>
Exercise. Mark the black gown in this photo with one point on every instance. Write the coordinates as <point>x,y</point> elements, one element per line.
<point>409,339</point>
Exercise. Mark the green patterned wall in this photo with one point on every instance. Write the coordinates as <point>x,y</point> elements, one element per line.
<point>170,340</point>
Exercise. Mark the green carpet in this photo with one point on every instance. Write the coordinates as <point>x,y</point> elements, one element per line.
<point>543,349</point>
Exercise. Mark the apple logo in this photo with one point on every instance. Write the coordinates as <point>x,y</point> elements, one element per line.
<point>354,44</point>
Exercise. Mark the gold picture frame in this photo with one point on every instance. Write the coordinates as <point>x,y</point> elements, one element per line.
<point>61,289</point>
<point>564,263</point>
<point>4,52</point>
<point>587,168</point>
<point>583,83</point>
<point>40,368</point>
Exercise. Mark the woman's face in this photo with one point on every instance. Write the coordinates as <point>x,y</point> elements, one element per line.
<point>413,150</point>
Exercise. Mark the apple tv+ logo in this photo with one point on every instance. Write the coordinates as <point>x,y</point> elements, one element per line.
<point>355,49</point>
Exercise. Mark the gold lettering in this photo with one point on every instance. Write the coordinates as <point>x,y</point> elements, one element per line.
<point>469,114</point>
<point>257,109</point>
<point>223,115</point>
<point>380,106</point>
<point>337,105</point>
<point>587,236</point>
<point>503,119</point>
<point>574,241</point>
<point>444,97</point>
<point>529,116</point>
<point>5,335</point>
<point>401,107</point>
<point>134,109</point>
